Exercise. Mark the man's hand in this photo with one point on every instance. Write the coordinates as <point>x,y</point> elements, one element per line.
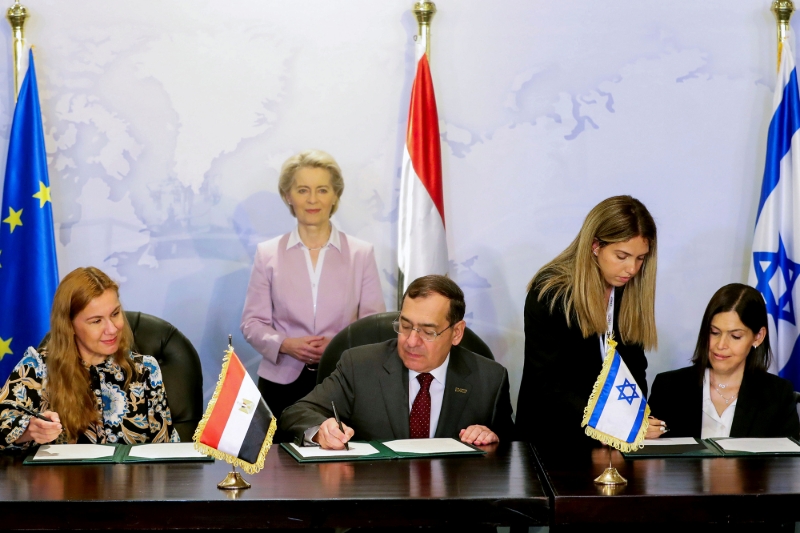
<point>330,438</point>
<point>478,435</point>
<point>40,431</point>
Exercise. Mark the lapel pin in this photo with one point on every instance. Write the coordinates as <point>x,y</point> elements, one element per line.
<point>461,390</point>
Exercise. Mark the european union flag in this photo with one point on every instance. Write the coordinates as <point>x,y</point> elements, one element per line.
<point>28,268</point>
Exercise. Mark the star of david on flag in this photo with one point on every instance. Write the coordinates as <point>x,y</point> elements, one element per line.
<point>630,397</point>
<point>776,240</point>
<point>616,414</point>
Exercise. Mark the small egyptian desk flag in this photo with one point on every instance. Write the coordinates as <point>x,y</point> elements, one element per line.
<point>617,411</point>
<point>237,426</point>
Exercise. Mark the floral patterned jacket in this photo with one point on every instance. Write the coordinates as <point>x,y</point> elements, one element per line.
<point>138,416</point>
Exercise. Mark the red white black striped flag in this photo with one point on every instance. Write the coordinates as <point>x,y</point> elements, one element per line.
<point>422,247</point>
<point>237,426</point>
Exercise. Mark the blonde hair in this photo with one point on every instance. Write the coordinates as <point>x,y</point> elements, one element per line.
<point>310,159</point>
<point>575,279</point>
<point>68,384</point>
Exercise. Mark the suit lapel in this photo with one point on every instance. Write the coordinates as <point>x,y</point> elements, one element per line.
<point>457,389</point>
<point>746,405</point>
<point>394,386</point>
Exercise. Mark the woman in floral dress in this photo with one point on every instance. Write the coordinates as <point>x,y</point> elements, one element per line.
<point>86,382</point>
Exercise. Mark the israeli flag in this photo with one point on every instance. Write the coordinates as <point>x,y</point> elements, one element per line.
<point>617,411</point>
<point>776,242</point>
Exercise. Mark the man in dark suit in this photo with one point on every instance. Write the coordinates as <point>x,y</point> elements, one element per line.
<point>420,385</point>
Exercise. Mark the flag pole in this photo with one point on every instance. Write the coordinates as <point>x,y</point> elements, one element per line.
<point>782,9</point>
<point>424,12</point>
<point>16,16</point>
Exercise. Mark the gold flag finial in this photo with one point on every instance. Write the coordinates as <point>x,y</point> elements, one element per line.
<point>424,11</point>
<point>16,16</point>
<point>783,10</point>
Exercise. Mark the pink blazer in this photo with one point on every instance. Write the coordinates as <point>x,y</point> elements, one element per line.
<point>279,302</point>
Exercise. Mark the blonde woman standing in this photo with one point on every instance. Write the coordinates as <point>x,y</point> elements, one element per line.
<point>602,284</point>
<point>307,285</point>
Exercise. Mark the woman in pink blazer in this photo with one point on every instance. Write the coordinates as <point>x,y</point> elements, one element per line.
<point>307,285</point>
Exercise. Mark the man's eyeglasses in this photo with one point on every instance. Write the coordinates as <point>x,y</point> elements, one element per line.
<point>426,335</point>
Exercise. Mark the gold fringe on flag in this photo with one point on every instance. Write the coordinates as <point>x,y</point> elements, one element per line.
<point>614,442</point>
<point>250,468</point>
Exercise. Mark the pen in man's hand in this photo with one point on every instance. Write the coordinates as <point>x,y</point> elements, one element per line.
<point>31,412</point>
<point>339,421</point>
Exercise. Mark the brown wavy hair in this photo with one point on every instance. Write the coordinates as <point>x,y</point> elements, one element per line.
<point>68,385</point>
<point>574,277</point>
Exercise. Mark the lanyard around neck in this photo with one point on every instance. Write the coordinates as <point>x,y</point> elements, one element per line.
<point>609,326</point>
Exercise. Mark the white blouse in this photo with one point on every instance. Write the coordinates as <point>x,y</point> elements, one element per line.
<point>715,425</point>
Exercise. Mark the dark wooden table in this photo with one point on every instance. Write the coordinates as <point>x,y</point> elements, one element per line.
<point>673,491</point>
<point>501,488</point>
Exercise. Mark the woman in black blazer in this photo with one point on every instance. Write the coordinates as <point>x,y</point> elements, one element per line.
<point>603,282</point>
<point>727,392</point>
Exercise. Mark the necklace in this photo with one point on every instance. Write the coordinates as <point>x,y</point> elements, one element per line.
<point>330,230</point>
<point>727,400</point>
<point>718,386</point>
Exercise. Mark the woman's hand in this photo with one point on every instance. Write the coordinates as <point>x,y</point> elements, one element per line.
<point>656,428</point>
<point>306,349</point>
<point>40,431</point>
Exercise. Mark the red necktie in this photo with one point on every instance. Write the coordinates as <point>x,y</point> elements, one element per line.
<point>420,419</point>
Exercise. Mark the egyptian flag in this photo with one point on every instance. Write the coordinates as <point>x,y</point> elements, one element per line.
<point>422,247</point>
<point>237,426</point>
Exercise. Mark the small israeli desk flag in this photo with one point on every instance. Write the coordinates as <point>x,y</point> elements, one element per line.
<point>776,241</point>
<point>617,411</point>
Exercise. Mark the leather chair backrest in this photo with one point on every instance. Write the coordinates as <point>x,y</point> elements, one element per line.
<point>180,367</point>
<point>378,328</point>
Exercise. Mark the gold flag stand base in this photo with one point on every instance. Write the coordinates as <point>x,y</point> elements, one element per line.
<point>233,481</point>
<point>610,476</point>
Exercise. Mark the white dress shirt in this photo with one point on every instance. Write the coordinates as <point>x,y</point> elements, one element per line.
<point>436,389</point>
<point>314,274</point>
<point>715,425</point>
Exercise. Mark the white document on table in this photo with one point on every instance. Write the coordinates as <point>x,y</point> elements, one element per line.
<point>56,452</point>
<point>676,441</point>
<point>166,450</point>
<point>357,449</point>
<point>778,445</point>
<point>428,446</point>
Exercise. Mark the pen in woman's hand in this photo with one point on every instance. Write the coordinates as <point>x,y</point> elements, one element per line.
<point>31,412</point>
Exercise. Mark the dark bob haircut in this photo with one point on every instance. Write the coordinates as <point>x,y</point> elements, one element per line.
<point>746,302</point>
<point>444,286</point>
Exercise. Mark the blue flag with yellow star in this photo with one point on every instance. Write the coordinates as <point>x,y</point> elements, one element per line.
<point>776,242</point>
<point>28,269</point>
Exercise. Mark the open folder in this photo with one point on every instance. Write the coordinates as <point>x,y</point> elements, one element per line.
<point>49,454</point>
<point>379,450</point>
<point>715,447</point>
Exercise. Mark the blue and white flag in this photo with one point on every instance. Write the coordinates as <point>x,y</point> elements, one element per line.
<point>28,269</point>
<point>617,411</point>
<point>776,242</point>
